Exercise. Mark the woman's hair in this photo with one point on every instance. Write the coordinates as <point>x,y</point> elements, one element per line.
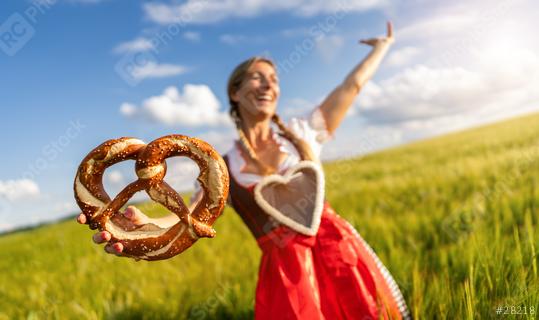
<point>234,83</point>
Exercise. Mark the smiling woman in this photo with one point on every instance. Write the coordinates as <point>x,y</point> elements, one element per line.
<point>254,85</point>
<point>258,92</point>
<point>314,264</point>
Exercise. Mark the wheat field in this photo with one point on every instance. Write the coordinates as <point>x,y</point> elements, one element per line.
<point>453,218</point>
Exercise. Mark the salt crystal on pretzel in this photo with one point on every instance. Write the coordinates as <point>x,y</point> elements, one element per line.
<point>152,242</point>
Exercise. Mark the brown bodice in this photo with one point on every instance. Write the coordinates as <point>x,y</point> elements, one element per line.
<point>243,201</point>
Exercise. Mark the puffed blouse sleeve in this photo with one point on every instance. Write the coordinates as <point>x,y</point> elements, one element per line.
<point>312,129</point>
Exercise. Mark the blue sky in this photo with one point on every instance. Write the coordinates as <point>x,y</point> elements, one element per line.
<point>75,73</point>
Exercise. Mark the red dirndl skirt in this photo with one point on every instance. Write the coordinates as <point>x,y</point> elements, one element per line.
<point>333,275</point>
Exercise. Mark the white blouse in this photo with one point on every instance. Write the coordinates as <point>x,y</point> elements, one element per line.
<point>312,129</point>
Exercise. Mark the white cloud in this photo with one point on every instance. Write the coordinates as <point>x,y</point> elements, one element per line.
<point>211,11</point>
<point>296,32</point>
<point>297,107</point>
<point>192,36</point>
<point>312,8</point>
<point>76,1</point>
<point>197,106</point>
<point>403,56</point>
<point>155,70</point>
<point>128,109</point>
<point>21,189</point>
<point>448,32</point>
<point>67,206</point>
<point>232,39</point>
<point>423,101</point>
<point>137,45</point>
<point>181,173</point>
<point>454,20</point>
<point>438,26</point>
<point>114,177</point>
<point>348,142</point>
<point>329,47</point>
<point>422,92</point>
<point>220,140</point>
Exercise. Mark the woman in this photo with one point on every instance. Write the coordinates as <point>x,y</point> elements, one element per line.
<point>332,273</point>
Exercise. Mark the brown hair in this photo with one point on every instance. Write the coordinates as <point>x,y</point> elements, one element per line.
<point>234,82</point>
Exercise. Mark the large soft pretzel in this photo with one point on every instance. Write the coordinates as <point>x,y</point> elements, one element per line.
<point>151,242</point>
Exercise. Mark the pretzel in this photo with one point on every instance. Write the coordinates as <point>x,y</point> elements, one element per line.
<point>152,242</point>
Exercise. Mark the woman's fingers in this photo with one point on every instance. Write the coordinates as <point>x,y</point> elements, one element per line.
<point>118,247</point>
<point>124,220</point>
<point>131,213</point>
<point>114,248</point>
<point>382,40</point>
<point>370,42</point>
<point>81,218</point>
<point>135,215</point>
<point>101,237</point>
<point>389,29</point>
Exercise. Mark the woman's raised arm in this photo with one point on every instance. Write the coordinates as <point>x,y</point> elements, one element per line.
<point>337,103</point>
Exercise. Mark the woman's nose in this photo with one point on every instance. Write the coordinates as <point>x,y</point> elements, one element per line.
<point>265,83</point>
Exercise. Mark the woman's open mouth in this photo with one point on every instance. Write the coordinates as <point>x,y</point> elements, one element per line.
<point>264,98</point>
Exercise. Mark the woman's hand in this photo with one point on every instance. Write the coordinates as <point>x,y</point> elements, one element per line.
<point>128,220</point>
<point>337,103</point>
<point>381,41</point>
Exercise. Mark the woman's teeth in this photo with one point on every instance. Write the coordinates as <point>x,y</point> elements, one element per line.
<point>264,98</point>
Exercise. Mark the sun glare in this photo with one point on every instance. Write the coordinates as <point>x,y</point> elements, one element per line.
<point>505,44</point>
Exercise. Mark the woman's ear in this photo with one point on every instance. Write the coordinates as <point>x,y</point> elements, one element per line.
<point>234,96</point>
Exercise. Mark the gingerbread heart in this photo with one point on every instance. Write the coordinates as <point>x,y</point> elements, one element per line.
<point>295,199</point>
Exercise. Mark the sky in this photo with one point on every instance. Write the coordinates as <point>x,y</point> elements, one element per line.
<point>75,73</point>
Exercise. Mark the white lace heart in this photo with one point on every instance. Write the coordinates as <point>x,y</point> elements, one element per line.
<point>295,199</point>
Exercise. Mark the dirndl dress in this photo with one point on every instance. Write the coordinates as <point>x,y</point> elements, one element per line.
<point>334,274</point>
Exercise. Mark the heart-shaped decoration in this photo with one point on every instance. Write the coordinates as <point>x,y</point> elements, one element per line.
<point>295,199</point>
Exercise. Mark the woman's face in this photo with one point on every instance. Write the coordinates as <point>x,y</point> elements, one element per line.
<point>258,93</point>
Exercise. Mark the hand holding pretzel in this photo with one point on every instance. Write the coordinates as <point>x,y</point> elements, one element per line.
<point>130,219</point>
<point>144,239</point>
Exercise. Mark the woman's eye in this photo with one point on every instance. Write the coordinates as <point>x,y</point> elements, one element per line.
<point>259,77</point>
